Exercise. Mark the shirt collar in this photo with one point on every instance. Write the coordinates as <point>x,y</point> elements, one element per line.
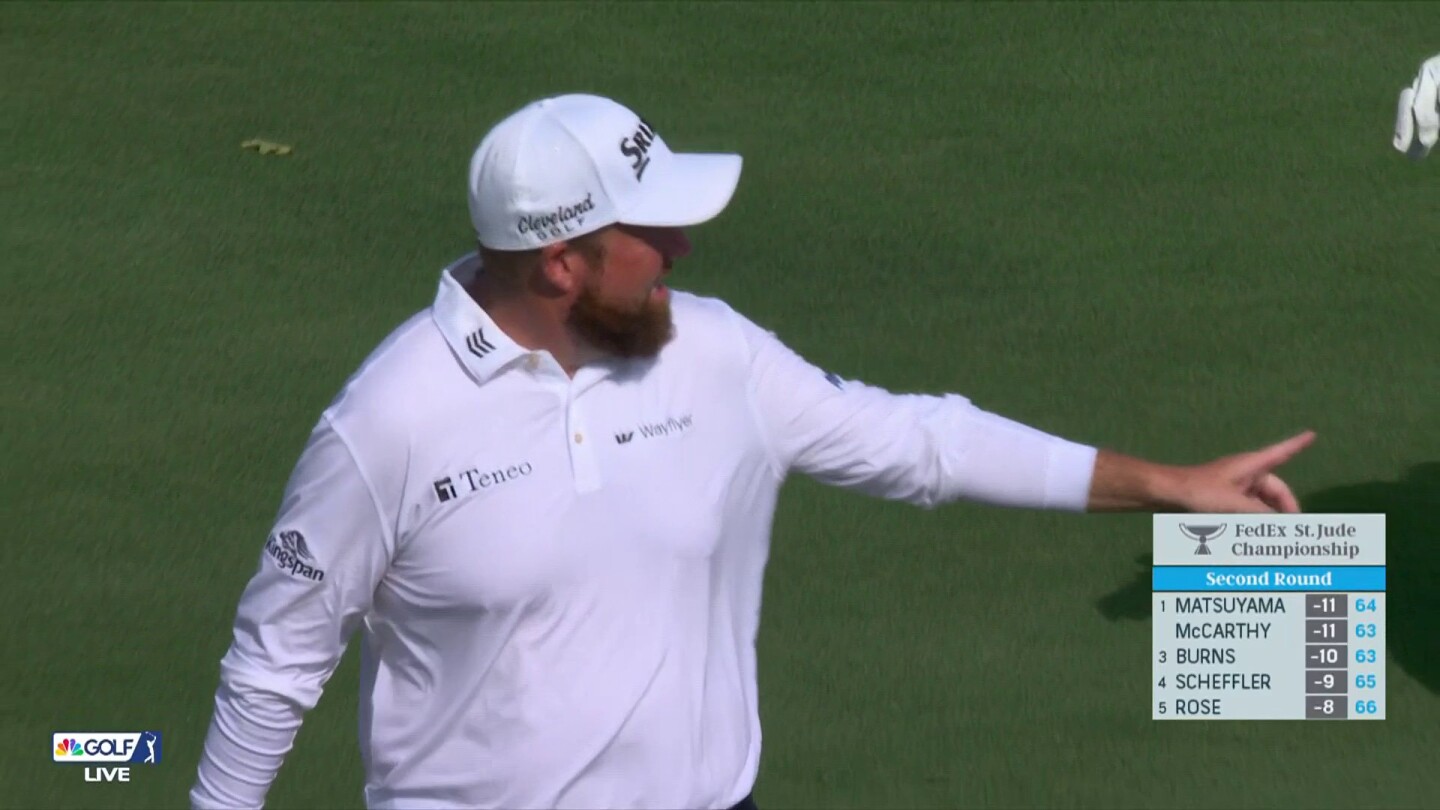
<point>472,334</point>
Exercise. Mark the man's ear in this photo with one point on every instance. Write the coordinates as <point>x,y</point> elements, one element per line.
<point>561,267</point>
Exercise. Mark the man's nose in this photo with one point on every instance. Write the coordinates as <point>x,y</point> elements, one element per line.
<point>677,244</point>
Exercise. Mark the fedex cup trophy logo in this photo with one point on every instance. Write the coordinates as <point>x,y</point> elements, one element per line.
<point>1202,535</point>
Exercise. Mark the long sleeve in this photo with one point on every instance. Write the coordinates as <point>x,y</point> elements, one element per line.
<point>317,576</point>
<point>925,450</point>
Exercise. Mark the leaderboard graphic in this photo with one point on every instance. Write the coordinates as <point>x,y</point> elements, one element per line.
<point>1268,617</point>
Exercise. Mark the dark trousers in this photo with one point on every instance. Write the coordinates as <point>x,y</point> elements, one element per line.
<point>747,803</point>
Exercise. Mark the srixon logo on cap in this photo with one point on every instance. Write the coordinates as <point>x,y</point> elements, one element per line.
<point>637,147</point>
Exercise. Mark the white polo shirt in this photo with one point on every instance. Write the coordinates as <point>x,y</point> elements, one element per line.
<point>557,581</point>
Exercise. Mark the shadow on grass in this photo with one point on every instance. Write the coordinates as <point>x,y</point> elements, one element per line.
<point>1412,596</point>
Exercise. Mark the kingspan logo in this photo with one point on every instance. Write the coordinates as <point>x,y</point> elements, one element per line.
<point>291,555</point>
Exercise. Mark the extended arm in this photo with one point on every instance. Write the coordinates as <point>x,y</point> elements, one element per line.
<point>1242,483</point>
<point>929,450</point>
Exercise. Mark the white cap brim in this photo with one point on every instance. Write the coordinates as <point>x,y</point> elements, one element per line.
<point>695,189</point>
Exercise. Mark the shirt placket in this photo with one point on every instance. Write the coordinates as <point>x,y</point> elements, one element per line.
<point>584,465</point>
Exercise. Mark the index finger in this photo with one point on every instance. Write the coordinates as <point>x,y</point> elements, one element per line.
<point>1281,452</point>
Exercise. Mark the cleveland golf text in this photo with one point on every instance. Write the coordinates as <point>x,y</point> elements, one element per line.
<point>558,221</point>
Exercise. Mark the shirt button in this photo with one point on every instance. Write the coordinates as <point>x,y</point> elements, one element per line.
<point>579,438</point>
<point>532,362</point>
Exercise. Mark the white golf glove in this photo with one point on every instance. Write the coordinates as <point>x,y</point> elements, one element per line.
<point>1417,125</point>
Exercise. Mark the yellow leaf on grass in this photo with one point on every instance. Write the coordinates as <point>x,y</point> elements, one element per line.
<point>267,147</point>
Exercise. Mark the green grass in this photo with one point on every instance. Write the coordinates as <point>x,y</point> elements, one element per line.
<point>1173,229</point>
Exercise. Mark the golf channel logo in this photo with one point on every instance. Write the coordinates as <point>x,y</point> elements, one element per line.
<point>122,749</point>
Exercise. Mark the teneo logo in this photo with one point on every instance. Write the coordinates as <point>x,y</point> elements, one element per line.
<point>563,220</point>
<point>131,748</point>
<point>463,483</point>
<point>1202,535</point>
<point>637,147</point>
<point>445,489</point>
<point>288,550</point>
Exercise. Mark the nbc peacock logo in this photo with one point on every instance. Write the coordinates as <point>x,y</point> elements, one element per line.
<point>68,747</point>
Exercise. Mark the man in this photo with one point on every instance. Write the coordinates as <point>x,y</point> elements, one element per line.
<point>1417,123</point>
<point>546,501</point>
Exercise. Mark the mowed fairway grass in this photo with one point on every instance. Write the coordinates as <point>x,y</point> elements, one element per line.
<point>1175,230</point>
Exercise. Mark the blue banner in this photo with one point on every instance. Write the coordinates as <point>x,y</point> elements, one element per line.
<point>1268,578</point>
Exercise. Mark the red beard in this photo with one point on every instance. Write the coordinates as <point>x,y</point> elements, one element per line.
<point>635,331</point>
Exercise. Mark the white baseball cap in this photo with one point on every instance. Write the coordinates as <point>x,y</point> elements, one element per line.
<point>562,167</point>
